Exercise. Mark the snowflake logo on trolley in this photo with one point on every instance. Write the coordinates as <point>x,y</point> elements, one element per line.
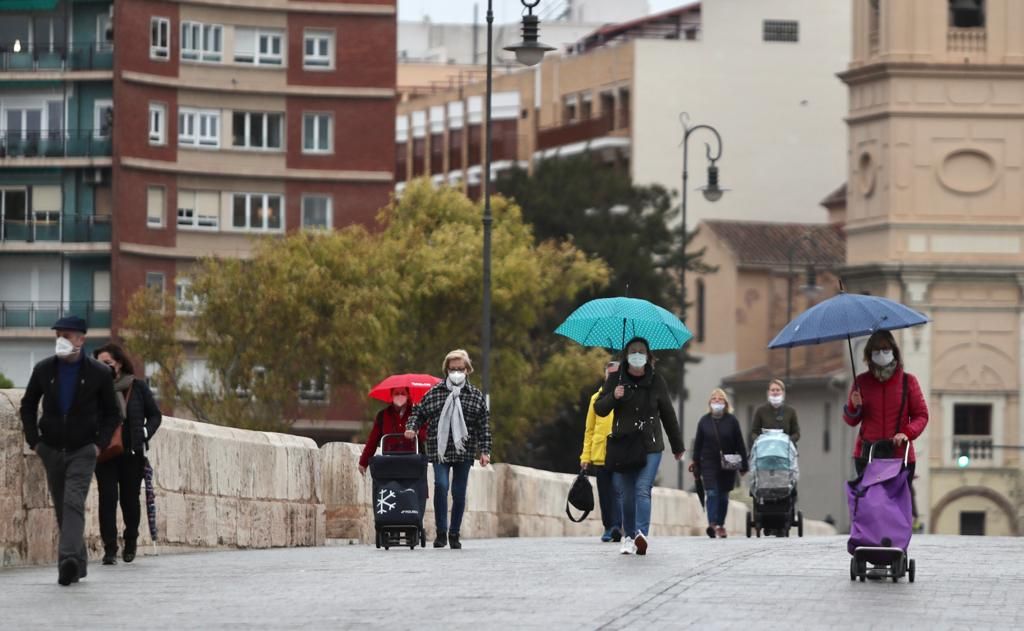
<point>384,503</point>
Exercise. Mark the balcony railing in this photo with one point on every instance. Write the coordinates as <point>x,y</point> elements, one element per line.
<point>43,58</point>
<point>967,40</point>
<point>75,143</point>
<point>17,314</point>
<point>577,131</point>
<point>51,226</point>
<point>974,447</point>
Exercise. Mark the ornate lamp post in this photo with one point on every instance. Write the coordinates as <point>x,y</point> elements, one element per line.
<point>528,52</point>
<point>712,193</point>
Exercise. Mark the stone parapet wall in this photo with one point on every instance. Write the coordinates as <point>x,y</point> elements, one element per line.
<point>225,487</point>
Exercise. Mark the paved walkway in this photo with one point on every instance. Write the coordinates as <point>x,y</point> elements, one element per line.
<point>552,584</point>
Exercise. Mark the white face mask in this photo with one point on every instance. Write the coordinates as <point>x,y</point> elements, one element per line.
<point>637,360</point>
<point>881,358</point>
<point>64,348</point>
<point>717,408</point>
<point>776,400</point>
<point>457,377</point>
<point>399,400</point>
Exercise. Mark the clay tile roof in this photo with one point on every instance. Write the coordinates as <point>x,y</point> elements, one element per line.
<point>836,197</point>
<point>769,243</point>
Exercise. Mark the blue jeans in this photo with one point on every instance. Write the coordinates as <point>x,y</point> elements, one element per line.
<point>608,498</point>
<point>717,505</point>
<point>458,486</point>
<point>633,490</point>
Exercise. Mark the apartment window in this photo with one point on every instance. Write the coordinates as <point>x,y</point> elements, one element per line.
<point>258,212</point>
<point>569,109</point>
<point>316,212</point>
<point>104,32</point>
<point>260,47</point>
<point>201,42</point>
<point>184,299</point>
<point>972,419</point>
<point>586,106</point>
<point>199,210</point>
<point>155,202</point>
<point>318,50</point>
<point>157,123</point>
<point>967,13</point>
<point>316,133</point>
<point>314,390</point>
<point>256,130</point>
<point>972,523</point>
<point>199,128</point>
<point>155,280</point>
<point>159,38</point>
<point>102,118</point>
<point>781,31</point>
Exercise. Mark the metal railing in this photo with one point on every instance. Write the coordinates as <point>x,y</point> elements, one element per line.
<point>69,143</point>
<point>576,131</point>
<point>967,40</point>
<point>16,314</point>
<point>974,447</point>
<point>56,57</point>
<point>51,226</point>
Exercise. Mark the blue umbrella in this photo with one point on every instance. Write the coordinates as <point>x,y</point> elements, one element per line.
<point>845,316</point>
<point>609,322</point>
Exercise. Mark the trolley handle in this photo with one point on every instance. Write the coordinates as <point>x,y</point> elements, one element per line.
<point>384,449</point>
<point>906,450</point>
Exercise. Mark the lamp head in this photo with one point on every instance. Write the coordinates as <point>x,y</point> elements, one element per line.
<point>712,192</point>
<point>529,51</point>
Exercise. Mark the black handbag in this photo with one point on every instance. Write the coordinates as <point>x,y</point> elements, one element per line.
<point>581,497</point>
<point>626,452</point>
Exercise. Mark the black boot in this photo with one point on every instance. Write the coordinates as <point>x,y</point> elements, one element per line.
<point>442,539</point>
<point>453,541</point>
<point>110,554</point>
<point>129,550</point>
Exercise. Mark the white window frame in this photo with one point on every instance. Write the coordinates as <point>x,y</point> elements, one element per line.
<point>315,390</point>
<point>265,200</point>
<point>196,220</point>
<point>316,118</point>
<point>193,122</point>
<point>265,124</point>
<point>157,123</point>
<point>196,42</point>
<point>318,61</point>
<point>330,211</point>
<point>102,43</point>
<point>256,38</point>
<point>162,220</point>
<point>184,302</point>
<point>158,51</point>
<point>153,276</point>
<point>98,107</point>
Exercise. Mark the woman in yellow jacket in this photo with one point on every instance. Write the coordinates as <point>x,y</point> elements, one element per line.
<point>595,439</point>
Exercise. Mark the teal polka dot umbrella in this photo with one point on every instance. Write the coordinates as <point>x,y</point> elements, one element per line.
<point>610,322</point>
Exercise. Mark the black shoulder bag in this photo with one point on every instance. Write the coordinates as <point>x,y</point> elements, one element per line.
<point>581,496</point>
<point>626,451</point>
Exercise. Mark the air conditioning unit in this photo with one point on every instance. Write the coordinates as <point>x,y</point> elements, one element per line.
<point>95,176</point>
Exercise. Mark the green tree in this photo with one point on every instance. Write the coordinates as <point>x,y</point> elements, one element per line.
<point>5,383</point>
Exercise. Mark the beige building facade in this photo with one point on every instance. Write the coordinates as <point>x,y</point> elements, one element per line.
<point>935,220</point>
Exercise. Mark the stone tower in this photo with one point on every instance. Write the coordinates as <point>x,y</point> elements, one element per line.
<point>935,219</point>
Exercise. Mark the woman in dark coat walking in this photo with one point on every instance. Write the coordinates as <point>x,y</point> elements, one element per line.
<point>718,433</point>
<point>639,400</point>
<point>121,477</point>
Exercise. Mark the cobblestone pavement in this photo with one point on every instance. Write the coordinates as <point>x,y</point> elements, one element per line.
<point>962,583</point>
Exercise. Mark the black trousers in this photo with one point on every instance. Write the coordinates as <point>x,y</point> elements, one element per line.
<point>68,474</point>
<point>120,479</point>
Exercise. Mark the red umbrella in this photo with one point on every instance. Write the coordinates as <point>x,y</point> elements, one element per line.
<point>417,385</point>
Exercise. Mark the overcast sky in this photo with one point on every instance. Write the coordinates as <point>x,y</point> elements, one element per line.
<point>504,10</point>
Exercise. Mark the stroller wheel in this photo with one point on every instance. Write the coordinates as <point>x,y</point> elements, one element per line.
<point>750,525</point>
<point>800,524</point>
<point>853,569</point>
<point>910,571</point>
<point>378,540</point>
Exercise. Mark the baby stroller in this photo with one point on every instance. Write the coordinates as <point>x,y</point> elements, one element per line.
<point>881,520</point>
<point>774,472</point>
<point>399,495</point>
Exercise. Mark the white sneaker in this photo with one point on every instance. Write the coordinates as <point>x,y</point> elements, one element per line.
<point>640,544</point>
<point>627,546</point>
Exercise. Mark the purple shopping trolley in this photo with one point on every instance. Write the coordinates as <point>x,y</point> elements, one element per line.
<point>881,520</point>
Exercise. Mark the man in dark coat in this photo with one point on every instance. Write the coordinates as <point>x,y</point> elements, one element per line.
<point>78,419</point>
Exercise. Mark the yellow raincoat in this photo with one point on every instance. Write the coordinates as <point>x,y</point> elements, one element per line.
<point>595,437</point>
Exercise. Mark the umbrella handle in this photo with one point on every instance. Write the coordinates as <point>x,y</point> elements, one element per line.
<point>853,366</point>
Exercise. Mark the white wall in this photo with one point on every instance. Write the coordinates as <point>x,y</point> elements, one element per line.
<point>778,106</point>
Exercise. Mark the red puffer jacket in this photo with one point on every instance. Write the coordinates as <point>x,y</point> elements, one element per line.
<point>878,415</point>
<point>389,421</point>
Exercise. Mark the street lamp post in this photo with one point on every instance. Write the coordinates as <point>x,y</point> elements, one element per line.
<point>712,193</point>
<point>528,52</point>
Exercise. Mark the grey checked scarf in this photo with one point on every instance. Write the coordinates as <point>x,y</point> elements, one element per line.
<point>451,422</point>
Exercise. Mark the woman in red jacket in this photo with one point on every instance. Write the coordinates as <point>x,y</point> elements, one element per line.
<point>391,420</point>
<point>887,403</point>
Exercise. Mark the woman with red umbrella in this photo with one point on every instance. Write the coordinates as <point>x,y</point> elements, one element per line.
<point>400,392</point>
